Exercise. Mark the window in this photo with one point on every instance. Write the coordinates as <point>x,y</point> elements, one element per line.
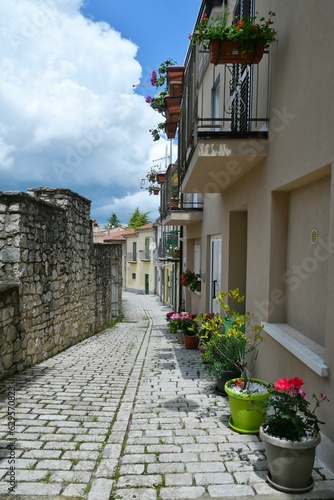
<point>134,251</point>
<point>133,276</point>
<point>147,248</point>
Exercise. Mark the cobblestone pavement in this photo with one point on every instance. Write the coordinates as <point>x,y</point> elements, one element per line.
<point>128,414</point>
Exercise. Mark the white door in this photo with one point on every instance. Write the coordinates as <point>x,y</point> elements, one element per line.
<point>215,271</point>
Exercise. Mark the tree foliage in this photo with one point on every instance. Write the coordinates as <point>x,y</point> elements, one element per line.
<point>113,221</point>
<point>138,219</point>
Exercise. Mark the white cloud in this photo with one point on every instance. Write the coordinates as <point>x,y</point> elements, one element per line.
<point>69,115</point>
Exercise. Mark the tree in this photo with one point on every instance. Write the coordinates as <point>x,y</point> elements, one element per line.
<point>113,221</point>
<point>138,219</point>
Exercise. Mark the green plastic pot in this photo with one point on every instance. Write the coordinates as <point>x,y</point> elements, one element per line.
<point>243,419</point>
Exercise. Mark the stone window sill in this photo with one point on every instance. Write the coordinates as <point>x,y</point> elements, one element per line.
<point>303,348</point>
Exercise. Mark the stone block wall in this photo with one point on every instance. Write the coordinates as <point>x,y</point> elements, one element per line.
<point>56,286</point>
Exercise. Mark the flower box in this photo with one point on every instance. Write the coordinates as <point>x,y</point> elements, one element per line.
<point>161,177</point>
<point>173,105</point>
<point>175,76</point>
<point>170,129</point>
<point>232,52</point>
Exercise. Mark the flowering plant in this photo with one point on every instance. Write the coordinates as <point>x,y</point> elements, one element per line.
<point>249,31</point>
<point>287,412</point>
<point>159,79</point>
<point>190,279</point>
<point>183,321</point>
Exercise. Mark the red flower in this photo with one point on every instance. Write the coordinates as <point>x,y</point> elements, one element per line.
<point>297,382</point>
<point>283,384</point>
<point>239,383</point>
<point>240,24</point>
<point>253,27</point>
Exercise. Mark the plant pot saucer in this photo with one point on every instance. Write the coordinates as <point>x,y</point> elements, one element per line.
<point>241,431</point>
<point>289,490</point>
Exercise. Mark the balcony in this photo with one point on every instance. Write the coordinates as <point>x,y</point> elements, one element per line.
<point>178,209</point>
<point>169,248</point>
<point>223,128</point>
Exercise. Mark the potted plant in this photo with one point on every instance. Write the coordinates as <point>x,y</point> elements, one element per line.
<point>189,329</point>
<point>190,280</point>
<point>290,433</point>
<point>241,42</point>
<point>244,390</point>
<point>167,105</point>
<point>218,358</point>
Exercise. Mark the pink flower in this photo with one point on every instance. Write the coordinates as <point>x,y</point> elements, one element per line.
<point>153,77</point>
<point>302,392</point>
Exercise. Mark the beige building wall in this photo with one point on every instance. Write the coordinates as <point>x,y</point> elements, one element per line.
<point>140,266</point>
<point>277,220</point>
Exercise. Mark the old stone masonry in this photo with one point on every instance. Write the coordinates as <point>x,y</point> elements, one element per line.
<point>128,414</point>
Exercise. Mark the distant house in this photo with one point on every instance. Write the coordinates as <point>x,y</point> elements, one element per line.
<point>117,235</point>
<point>140,272</point>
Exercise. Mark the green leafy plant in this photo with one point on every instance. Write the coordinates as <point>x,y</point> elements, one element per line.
<point>288,414</point>
<point>248,31</point>
<point>221,352</point>
<point>237,348</point>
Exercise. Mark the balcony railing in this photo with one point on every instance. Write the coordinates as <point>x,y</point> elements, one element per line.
<point>131,257</point>
<point>170,245</point>
<point>176,204</point>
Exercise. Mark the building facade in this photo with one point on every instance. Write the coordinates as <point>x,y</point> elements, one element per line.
<point>255,142</point>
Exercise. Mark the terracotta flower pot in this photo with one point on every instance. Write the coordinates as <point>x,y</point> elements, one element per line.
<point>232,52</point>
<point>191,341</point>
<point>175,75</point>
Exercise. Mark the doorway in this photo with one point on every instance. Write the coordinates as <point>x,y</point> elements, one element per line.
<point>215,271</point>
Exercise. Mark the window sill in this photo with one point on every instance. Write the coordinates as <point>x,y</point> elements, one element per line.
<point>303,348</point>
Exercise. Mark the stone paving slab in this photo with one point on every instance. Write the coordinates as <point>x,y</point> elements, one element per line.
<point>129,414</point>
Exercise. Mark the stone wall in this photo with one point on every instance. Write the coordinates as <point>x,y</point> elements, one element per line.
<point>56,286</point>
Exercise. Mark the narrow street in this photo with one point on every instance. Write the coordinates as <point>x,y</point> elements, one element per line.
<point>128,414</point>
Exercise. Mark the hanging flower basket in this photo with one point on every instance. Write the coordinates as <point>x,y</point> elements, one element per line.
<point>232,52</point>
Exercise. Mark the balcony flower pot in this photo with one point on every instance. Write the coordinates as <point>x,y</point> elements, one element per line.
<point>156,191</point>
<point>234,52</point>
<point>170,129</point>
<point>175,76</point>
<point>161,177</point>
<point>290,462</point>
<point>173,105</point>
<point>244,419</point>
<point>174,203</point>
<point>191,341</point>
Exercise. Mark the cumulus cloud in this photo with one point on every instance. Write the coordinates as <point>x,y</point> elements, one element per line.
<point>70,116</point>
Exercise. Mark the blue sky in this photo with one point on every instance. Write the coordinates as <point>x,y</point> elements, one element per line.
<point>70,114</point>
